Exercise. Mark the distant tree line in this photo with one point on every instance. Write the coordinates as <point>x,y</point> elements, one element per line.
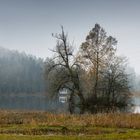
<point>20,73</point>
<point>22,83</point>
<point>95,76</point>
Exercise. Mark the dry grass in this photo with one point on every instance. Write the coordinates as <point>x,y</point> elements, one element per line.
<point>42,125</point>
<point>114,120</point>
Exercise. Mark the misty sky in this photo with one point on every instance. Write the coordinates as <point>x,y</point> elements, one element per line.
<point>27,25</point>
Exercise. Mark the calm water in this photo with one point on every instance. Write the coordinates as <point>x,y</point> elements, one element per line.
<point>40,103</point>
<point>137,103</point>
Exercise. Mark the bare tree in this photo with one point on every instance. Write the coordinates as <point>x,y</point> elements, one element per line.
<point>97,48</point>
<point>67,70</point>
<point>107,78</point>
<point>116,85</point>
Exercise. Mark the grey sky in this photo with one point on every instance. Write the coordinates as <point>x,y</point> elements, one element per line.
<point>26,25</point>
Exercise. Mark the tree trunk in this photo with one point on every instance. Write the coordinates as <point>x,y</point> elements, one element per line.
<point>71,104</point>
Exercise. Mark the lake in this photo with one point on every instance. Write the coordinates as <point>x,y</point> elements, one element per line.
<point>137,104</point>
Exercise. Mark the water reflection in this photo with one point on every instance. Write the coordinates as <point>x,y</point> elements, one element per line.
<point>137,109</point>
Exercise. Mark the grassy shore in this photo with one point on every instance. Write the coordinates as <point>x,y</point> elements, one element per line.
<point>42,126</point>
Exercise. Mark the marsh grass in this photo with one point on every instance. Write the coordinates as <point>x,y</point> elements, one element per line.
<point>42,118</point>
<point>42,125</point>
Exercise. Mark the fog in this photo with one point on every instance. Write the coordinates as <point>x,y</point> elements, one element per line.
<point>23,85</point>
